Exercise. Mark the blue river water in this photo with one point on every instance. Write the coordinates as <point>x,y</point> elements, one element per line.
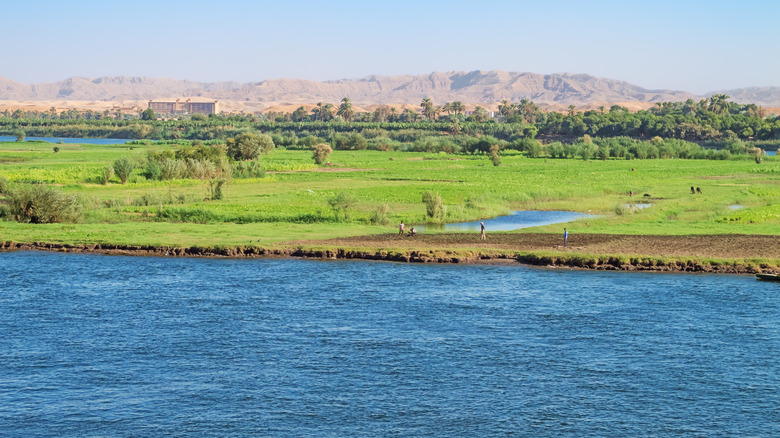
<point>118,346</point>
<point>70,140</point>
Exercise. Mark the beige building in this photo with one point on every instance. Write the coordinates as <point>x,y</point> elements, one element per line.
<point>185,107</point>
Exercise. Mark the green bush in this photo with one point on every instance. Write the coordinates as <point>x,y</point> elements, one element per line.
<point>379,216</point>
<point>434,206</point>
<point>106,174</point>
<point>321,152</point>
<point>40,204</point>
<point>123,167</point>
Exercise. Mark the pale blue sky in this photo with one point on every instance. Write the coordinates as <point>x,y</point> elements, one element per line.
<point>697,46</point>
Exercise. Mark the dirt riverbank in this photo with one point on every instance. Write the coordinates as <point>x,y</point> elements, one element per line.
<point>746,254</point>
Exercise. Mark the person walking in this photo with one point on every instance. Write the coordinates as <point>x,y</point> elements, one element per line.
<point>565,237</point>
<point>482,226</point>
<point>401,228</point>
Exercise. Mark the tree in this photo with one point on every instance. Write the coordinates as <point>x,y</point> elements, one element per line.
<point>345,109</point>
<point>321,152</point>
<point>719,104</point>
<point>458,107</point>
<point>148,114</point>
<point>427,108</point>
<point>434,206</point>
<point>123,167</point>
<point>249,146</point>
<point>494,155</point>
<point>299,115</point>
<point>340,202</point>
<point>323,111</point>
<point>20,135</point>
<point>409,115</point>
<point>480,114</point>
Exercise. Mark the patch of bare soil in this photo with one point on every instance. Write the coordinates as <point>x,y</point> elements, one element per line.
<point>728,246</point>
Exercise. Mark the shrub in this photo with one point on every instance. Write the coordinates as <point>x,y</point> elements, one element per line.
<point>153,170</point>
<point>106,174</point>
<point>172,169</point>
<point>379,216</point>
<point>321,152</point>
<point>56,149</point>
<point>249,146</point>
<point>39,204</point>
<point>494,155</point>
<point>340,202</point>
<point>247,169</point>
<point>434,206</point>
<point>123,167</point>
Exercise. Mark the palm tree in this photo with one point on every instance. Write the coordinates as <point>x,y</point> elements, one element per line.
<point>345,109</point>
<point>458,107</point>
<point>572,110</point>
<point>506,109</point>
<point>427,108</point>
<point>719,104</point>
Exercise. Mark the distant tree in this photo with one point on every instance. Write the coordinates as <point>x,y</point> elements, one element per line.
<point>409,115</point>
<point>345,109</point>
<point>20,135</point>
<point>506,109</point>
<point>148,114</point>
<point>434,206</point>
<point>106,174</point>
<point>321,152</point>
<point>323,111</point>
<point>427,108</point>
<point>480,114</point>
<point>342,201</point>
<point>299,115</point>
<point>123,167</point>
<point>249,146</point>
<point>458,107</point>
<point>494,155</point>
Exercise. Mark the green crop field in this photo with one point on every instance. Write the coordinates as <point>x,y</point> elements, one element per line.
<point>291,201</point>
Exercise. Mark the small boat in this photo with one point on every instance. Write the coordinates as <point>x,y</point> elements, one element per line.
<point>768,277</point>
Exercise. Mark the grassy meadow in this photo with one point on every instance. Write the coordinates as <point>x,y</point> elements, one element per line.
<point>291,203</point>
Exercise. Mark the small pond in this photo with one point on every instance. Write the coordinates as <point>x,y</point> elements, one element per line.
<point>66,140</point>
<point>638,206</point>
<point>735,207</point>
<point>513,221</point>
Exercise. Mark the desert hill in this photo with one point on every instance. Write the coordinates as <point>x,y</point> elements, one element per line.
<point>476,87</point>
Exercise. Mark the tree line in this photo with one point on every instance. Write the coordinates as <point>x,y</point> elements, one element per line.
<point>708,120</point>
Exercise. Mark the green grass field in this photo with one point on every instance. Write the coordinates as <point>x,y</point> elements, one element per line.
<point>291,201</point>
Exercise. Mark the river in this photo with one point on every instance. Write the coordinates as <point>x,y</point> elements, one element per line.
<point>116,346</point>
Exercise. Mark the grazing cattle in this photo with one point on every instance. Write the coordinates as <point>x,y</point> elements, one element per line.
<point>693,191</point>
<point>698,190</point>
<point>646,195</point>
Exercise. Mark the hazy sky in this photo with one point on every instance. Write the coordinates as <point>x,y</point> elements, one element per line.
<point>696,46</point>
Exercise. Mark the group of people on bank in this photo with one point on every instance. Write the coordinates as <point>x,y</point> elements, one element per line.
<point>482,236</point>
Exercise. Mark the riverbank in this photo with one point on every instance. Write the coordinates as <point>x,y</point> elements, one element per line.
<point>733,254</point>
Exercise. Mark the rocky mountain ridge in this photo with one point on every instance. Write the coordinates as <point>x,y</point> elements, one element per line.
<point>476,87</point>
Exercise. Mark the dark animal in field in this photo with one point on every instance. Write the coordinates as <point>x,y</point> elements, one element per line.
<point>692,190</point>
<point>646,195</point>
<point>698,190</point>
